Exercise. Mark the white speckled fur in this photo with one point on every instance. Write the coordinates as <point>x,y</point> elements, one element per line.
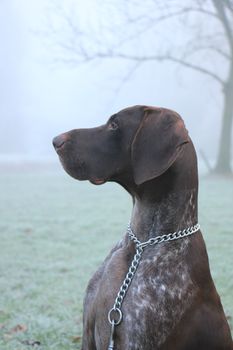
<point>162,289</point>
<point>149,297</point>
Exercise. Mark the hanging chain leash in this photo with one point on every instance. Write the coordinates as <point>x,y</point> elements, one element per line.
<point>115,314</point>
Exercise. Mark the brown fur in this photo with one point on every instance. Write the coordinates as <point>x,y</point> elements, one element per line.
<point>172,303</point>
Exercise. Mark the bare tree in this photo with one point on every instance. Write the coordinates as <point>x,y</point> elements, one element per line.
<point>205,45</point>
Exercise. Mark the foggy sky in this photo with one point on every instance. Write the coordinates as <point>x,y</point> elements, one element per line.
<point>40,99</point>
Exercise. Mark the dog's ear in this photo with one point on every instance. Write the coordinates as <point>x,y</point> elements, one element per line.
<point>157,143</point>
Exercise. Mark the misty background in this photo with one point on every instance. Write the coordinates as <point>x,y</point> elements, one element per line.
<point>46,90</point>
<point>68,64</point>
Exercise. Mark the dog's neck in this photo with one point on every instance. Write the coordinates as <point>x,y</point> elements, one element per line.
<point>175,211</point>
<point>168,203</point>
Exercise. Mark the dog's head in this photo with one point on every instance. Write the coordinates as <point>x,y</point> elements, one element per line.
<point>142,142</point>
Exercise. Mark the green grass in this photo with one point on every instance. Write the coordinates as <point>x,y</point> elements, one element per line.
<point>55,231</point>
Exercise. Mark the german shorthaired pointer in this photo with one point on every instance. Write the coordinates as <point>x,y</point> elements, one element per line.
<point>171,303</point>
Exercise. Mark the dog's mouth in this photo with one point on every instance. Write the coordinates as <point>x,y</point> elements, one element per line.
<point>73,164</point>
<point>59,142</point>
<point>60,149</point>
<point>97,181</point>
<point>77,169</point>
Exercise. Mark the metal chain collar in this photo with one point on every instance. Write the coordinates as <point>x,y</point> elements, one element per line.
<point>115,314</point>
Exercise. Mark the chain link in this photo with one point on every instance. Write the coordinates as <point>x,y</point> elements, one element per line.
<point>125,286</point>
<point>164,238</point>
<point>140,246</point>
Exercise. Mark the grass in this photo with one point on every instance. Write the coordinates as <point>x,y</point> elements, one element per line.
<point>55,231</point>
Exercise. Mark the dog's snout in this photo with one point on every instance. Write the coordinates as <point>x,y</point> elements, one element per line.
<point>59,141</point>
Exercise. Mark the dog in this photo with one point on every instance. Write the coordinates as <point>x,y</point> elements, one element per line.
<point>171,302</point>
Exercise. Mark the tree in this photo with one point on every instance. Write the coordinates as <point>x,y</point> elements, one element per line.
<point>206,44</point>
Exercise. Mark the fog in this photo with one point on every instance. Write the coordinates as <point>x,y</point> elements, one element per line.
<point>41,98</point>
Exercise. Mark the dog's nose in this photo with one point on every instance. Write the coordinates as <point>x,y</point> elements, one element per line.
<point>59,141</point>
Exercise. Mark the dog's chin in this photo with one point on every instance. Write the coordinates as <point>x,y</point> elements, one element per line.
<point>73,171</point>
<point>74,174</point>
<point>80,174</point>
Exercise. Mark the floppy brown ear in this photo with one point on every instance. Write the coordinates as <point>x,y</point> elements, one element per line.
<point>157,143</point>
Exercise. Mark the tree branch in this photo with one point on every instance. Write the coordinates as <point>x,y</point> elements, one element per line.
<point>168,57</point>
<point>88,46</point>
<point>197,68</point>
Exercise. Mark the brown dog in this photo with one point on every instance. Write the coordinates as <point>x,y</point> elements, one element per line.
<point>171,302</point>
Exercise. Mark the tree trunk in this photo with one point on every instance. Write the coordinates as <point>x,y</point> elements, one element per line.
<point>223,165</point>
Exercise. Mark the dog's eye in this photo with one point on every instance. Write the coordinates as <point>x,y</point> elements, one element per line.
<point>113,125</point>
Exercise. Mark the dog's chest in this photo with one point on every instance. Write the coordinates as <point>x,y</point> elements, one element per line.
<point>158,297</point>
<point>160,293</point>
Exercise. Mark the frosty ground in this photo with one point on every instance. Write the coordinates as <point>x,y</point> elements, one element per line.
<point>54,233</point>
